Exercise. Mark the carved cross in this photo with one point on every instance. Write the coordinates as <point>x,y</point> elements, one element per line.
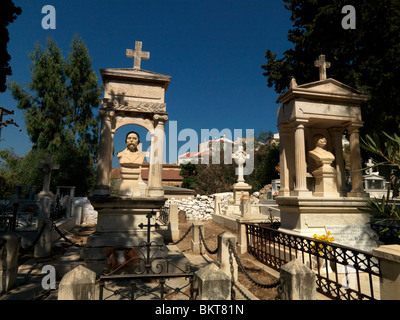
<point>47,167</point>
<point>370,165</point>
<point>322,64</point>
<point>240,157</point>
<point>137,54</point>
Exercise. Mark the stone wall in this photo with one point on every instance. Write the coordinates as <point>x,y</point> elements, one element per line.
<point>84,211</point>
<point>200,207</point>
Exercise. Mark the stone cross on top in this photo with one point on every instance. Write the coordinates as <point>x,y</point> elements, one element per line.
<point>47,167</point>
<point>322,64</point>
<point>370,165</point>
<point>137,54</point>
<point>240,157</point>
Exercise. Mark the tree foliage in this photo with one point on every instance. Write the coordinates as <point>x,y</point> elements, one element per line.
<point>189,173</point>
<point>8,13</point>
<point>386,154</point>
<point>58,110</point>
<point>366,58</point>
<point>266,160</point>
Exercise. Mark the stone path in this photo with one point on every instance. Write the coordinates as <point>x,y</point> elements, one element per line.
<point>29,281</point>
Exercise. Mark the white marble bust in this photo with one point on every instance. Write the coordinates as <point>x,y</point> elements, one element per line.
<point>319,154</point>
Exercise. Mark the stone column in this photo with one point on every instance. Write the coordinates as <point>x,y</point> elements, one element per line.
<point>78,284</point>
<point>10,243</point>
<point>337,134</point>
<point>43,245</point>
<point>300,160</point>
<point>212,283</point>
<point>283,161</point>
<point>297,282</point>
<point>223,254</point>
<point>242,234</point>
<point>196,236</point>
<point>104,162</point>
<point>357,189</point>
<point>217,205</point>
<point>155,188</point>
<point>389,258</point>
<point>173,222</point>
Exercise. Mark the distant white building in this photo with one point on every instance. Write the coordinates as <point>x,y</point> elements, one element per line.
<point>272,140</point>
<point>204,149</point>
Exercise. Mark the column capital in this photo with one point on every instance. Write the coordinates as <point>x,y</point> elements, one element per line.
<point>299,123</point>
<point>160,118</point>
<point>107,114</point>
<point>336,130</point>
<point>284,128</point>
<point>354,127</point>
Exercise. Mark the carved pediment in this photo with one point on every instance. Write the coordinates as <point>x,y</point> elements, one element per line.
<point>328,89</point>
<point>329,86</point>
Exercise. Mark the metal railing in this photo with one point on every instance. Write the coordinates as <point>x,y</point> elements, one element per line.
<point>164,215</point>
<point>147,272</point>
<point>342,272</point>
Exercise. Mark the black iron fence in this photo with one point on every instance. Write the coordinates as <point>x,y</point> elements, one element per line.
<point>342,272</point>
<point>8,216</point>
<point>164,215</point>
<point>146,272</point>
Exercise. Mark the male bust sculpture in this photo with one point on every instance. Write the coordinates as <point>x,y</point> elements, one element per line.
<point>131,156</point>
<point>324,174</point>
<point>131,160</point>
<point>319,154</point>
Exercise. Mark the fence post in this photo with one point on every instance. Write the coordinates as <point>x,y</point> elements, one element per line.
<point>242,235</point>
<point>78,284</point>
<point>217,205</point>
<point>43,245</point>
<point>212,283</point>
<point>223,254</point>
<point>389,258</point>
<point>173,223</point>
<point>297,282</point>
<point>196,236</point>
<point>9,249</point>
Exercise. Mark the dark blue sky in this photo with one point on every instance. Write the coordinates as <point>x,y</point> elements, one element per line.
<point>212,49</point>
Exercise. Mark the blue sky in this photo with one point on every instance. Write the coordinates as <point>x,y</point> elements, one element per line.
<point>212,49</point>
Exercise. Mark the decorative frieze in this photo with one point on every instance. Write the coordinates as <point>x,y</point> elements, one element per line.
<point>136,106</point>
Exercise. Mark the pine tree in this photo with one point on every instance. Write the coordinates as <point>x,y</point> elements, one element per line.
<point>366,58</point>
<point>58,111</point>
<point>8,13</point>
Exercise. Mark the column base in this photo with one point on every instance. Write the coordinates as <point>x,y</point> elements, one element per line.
<point>357,194</point>
<point>101,191</point>
<point>302,193</point>
<point>155,192</point>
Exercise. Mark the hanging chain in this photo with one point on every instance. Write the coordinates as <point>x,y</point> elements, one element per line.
<point>233,293</point>
<point>242,268</point>
<point>205,245</point>
<point>183,237</point>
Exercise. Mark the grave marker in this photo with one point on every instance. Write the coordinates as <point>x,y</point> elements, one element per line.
<point>360,237</point>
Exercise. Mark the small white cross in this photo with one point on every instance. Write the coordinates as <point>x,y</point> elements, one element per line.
<point>322,65</point>
<point>370,165</point>
<point>47,167</point>
<point>137,54</point>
